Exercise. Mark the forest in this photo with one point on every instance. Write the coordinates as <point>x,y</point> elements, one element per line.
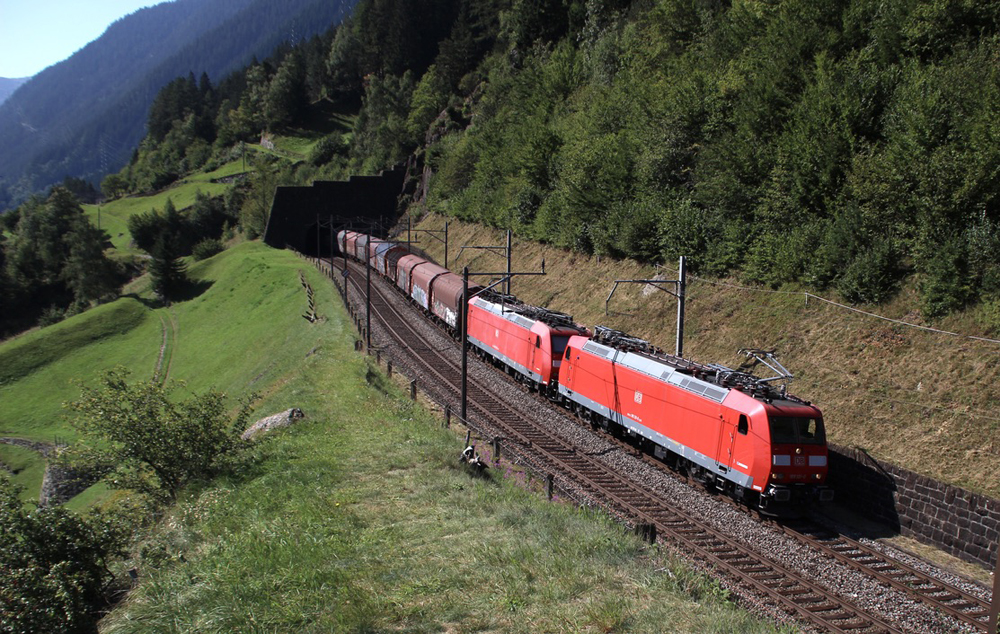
<point>844,146</point>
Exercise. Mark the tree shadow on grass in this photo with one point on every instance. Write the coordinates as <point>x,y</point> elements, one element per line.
<point>192,289</point>
<point>189,291</point>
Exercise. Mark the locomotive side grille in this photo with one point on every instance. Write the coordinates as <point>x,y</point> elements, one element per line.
<point>522,321</point>
<point>599,350</point>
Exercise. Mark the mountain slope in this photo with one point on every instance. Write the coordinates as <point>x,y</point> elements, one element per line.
<point>8,86</point>
<point>83,116</point>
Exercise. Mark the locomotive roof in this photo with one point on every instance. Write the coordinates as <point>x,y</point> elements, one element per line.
<point>713,381</point>
<point>513,309</point>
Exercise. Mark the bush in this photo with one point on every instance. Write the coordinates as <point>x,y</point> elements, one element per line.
<point>944,284</point>
<point>53,570</point>
<point>207,248</point>
<point>155,446</point>
<point>327,147</point>
<point>51,315</point>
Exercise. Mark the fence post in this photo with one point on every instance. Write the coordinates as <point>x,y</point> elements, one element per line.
<point>647,532</point>
<point>549,486</point>
<point>496,449</point>
<point>388,367</point>
<point>447,415</point>
<point>413,390</point>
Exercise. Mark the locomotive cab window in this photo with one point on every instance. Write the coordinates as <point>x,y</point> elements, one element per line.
<point>744,425</point>
<point>538,341</point>
<point>789,430</point>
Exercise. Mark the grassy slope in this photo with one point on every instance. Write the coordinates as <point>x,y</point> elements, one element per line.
<point>359,519</point>
<point>237,336</point>
<point>114,215</point>
<point>921,400</point>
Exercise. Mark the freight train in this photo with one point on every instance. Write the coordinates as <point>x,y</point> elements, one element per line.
<point>724,427</point>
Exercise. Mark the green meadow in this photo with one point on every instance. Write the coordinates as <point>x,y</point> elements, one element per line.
<point>239,333</point>
<point>113,216</point>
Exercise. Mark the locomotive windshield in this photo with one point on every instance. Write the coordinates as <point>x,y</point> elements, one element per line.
<point>791,430</point>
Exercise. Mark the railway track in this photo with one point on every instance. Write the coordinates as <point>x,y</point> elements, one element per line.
<point>791,591</point>
<point>788,589</point>
<point>957,603</point>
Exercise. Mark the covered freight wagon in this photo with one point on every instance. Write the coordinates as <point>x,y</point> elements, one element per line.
<point>404,271</point>
<point>423,276</point>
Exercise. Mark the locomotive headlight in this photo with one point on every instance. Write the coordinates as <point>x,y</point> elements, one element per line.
<point>798,450</point>
<point>777,476</point>
<point>818,476</point>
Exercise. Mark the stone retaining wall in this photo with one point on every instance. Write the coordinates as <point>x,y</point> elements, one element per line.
<point>962,523</point>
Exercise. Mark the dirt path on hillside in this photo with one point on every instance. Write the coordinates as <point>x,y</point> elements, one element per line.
<point>167,347</point>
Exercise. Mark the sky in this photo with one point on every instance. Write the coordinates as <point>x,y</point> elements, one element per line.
<point>35,34</point>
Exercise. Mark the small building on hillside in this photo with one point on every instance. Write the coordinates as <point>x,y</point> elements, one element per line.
<point>300,215</point>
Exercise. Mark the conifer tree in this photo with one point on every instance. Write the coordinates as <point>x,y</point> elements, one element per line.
<point>168,273</point>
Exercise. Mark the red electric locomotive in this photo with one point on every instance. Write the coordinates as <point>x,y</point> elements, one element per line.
<point>725,427</point>
<point>527,340</point>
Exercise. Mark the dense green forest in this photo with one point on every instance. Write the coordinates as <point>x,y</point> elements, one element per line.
<point>843,146</point>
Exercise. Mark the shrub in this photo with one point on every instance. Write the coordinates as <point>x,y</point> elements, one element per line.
<point>53,570</point>
<point>51,315</point>
<point>207,248</point>
<point>155,446</point>
<point>944,284</point>
<point>872,276</point>
<point>327,147</point>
